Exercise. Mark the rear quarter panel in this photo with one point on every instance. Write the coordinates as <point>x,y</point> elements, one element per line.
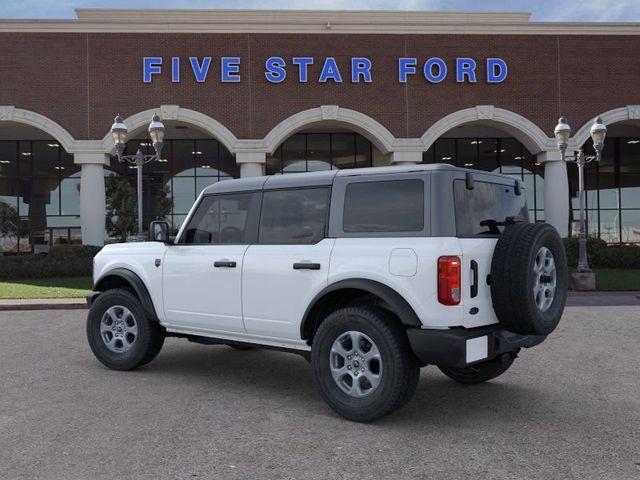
<point>370,258</point>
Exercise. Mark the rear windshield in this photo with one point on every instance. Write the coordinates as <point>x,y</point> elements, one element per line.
<point>485,209</point>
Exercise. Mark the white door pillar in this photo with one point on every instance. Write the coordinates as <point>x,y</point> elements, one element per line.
<point>92,197</point>
<point>251,163</point>
<point>556,191</point>
<point>405,158</point>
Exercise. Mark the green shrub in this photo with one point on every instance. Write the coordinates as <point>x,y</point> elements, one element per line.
<point>61,261</point>
<point>74,251</point>
<point>618,256</point>
<point>594,245</point>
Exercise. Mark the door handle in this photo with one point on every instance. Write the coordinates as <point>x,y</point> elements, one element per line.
<point>224,264</point>
<point>474,271</point>
<point>306,266</point>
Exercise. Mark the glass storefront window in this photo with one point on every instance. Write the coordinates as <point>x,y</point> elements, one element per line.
<point>307,152</point>
<point>294,154</point>
<point>467,152</point>
<point>630,223</point>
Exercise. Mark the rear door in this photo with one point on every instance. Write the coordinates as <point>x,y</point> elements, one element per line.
<point>481,214</point>
<point>290,263</point>
<point>202,273</point>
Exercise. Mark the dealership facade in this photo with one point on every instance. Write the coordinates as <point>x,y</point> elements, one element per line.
<point>245,93</point>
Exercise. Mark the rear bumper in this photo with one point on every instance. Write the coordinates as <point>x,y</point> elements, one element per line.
<point>459,347</point>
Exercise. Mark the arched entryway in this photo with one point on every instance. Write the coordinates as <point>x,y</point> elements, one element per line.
<point>327,137</point>
<point>613,185</point>
<point>39,184</point>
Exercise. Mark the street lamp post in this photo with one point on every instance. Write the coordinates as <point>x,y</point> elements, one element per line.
<point>562,133</point>
<point>119,133</point>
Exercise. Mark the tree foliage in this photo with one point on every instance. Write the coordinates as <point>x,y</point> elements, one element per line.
<point>9,220</point>
<point>121,207</point>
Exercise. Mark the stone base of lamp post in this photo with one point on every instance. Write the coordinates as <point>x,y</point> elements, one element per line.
<point>583,281</point>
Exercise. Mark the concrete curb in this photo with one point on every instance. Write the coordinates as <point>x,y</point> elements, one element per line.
<point>43,304</point>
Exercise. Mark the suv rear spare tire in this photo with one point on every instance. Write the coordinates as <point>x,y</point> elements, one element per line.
<point>529,278</point>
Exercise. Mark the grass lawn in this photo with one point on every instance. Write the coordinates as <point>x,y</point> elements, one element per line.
<point>72,287</point>
<point>617,279</point>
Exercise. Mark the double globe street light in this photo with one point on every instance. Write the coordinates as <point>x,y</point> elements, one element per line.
<point>562,133</point>
<point>119,133</point>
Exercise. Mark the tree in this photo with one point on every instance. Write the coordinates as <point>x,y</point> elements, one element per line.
<point>121,207</point>
<point>162,202</point>
<point>9,221</point>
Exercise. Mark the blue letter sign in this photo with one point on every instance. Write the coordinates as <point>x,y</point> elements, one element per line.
<point>200,71</point>
<point>230,69</point>
<point>428,70</point>
<point>330,71</point>
<point>275,69</point>
<point>360,67</point>
<point>303,66</point>
<point>496,70</point>
<point>151,66</point>
<point>406,66</point>
<point>434,69</point>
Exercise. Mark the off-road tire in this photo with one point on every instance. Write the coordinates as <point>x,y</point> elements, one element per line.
<point>149,340</point>
<point>400,369</point>
<point>480,372</point>
<point>512,278</point>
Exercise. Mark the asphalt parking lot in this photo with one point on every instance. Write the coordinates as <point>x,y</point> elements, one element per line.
<point>568,409</point>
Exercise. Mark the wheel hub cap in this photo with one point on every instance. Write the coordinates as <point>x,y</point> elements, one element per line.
<point>544,279</point>
<point>118,329</point>
<point>355,363</point>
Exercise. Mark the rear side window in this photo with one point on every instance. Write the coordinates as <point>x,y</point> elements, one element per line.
<point>485,209</point>
<point>384,206</point>
<point>224,219</point>
<point>294,216</point>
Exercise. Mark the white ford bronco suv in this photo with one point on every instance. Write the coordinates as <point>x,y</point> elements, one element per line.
<point>370,274</point>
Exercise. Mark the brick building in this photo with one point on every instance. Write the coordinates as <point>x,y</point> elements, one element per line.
<point>252,92</point>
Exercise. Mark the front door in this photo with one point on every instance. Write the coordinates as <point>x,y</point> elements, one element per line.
<point>290,263</point>
<point>202,272</point>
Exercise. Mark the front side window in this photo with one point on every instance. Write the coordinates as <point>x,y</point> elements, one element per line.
<point>223,219</point>
<point>384,206</point>
<point>486,209</point>
<point>294,216</point>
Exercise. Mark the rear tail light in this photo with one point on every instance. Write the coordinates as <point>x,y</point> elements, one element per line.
<point>449,280</point>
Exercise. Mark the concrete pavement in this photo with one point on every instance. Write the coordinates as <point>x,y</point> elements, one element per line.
<point>569,408</point>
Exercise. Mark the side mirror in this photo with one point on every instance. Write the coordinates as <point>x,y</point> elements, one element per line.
<point>159,231</point>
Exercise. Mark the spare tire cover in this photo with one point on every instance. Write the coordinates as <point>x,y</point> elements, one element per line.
<point>529,278</point>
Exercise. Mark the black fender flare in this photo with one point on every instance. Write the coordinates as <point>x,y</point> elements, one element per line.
<point>136,283</point>
<point>393,299</point>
